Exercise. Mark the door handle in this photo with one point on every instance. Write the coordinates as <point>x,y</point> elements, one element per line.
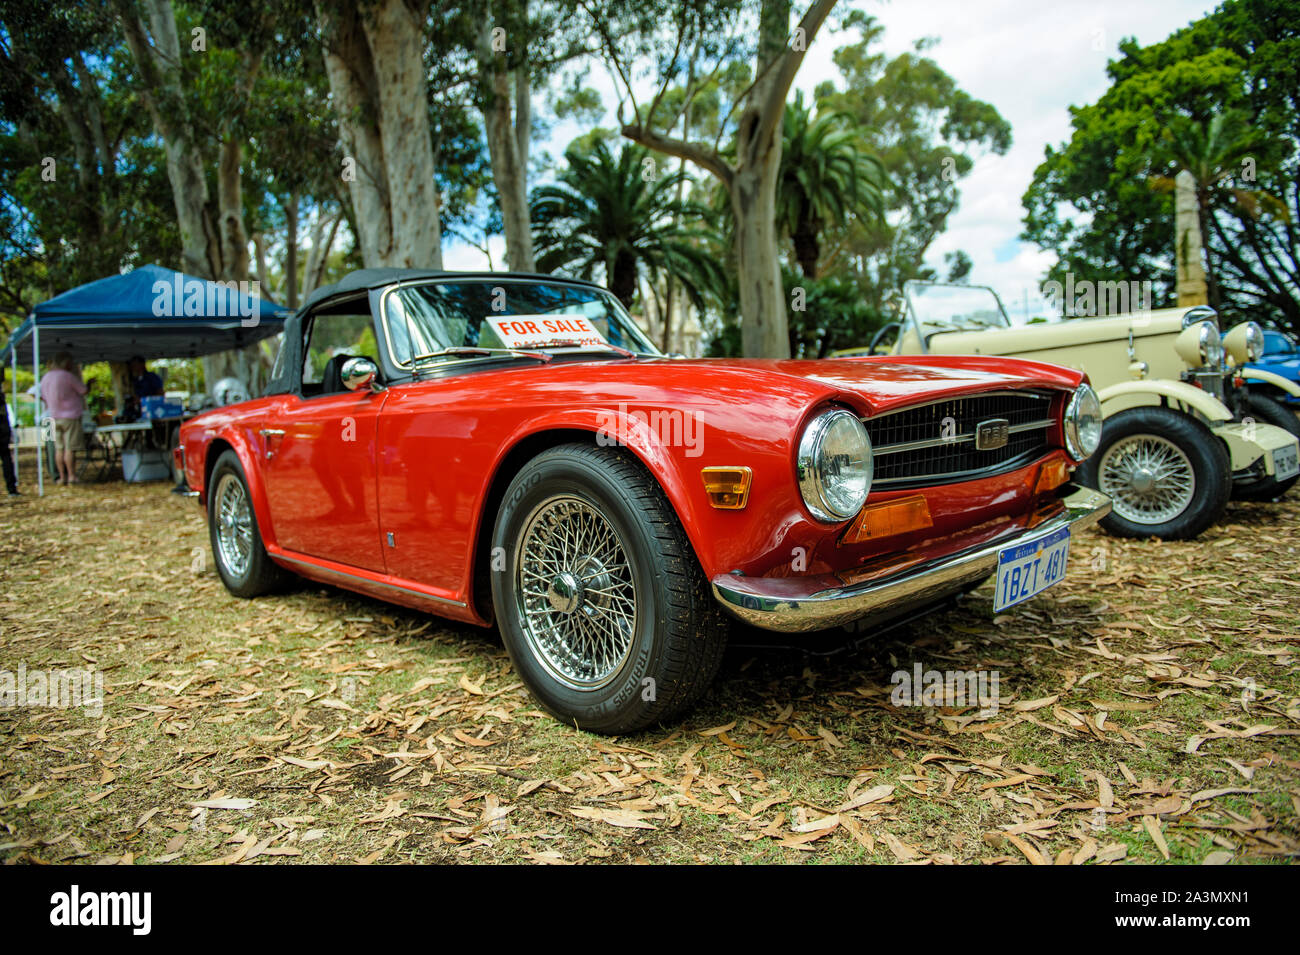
<point>271,435</point>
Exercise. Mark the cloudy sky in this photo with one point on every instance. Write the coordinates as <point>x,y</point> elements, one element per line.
<point>1032,61</point>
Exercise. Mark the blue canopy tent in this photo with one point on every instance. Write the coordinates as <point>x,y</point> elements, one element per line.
<point>151,311</point>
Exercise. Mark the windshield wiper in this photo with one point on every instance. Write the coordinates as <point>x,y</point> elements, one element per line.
<point>468,351</point>
<point>571,343</point>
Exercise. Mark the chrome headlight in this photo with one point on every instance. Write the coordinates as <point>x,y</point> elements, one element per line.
<point>1199,346</point>
<point>1200,313</point>
<point>1083,423</point>
<point>834,465</point>
<point>1244,343</point>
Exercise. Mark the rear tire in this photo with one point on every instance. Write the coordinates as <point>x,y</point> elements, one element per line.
<point>1166,473</point>
<point>242,562</point>
<point>601,603</point>
<point>1270,411</point>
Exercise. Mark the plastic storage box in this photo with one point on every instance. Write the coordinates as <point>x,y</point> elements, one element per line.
<point>149,465</point>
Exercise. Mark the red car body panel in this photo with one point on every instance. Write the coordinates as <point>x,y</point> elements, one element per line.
<point>419,462</point>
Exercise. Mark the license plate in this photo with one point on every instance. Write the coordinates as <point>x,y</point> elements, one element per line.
<point>1030,568</point>
<point>1286,462</point>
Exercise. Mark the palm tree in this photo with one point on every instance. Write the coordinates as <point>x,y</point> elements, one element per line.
<point>618,215</point>
<point>1214,154</point>
<point>826,179</point>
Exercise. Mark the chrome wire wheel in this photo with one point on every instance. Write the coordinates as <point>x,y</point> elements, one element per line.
<point>234,518</point>
<point>1149,479</point>
<point>576,598</point>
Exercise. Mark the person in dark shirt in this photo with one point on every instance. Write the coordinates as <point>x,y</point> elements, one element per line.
<point>145,382</point>
<point>6,438</point>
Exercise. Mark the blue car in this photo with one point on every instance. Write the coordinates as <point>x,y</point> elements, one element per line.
<point>1281,357</point>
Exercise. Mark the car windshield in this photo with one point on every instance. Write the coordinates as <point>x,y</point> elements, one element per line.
<point>947,308</point>
<point>456,321</point>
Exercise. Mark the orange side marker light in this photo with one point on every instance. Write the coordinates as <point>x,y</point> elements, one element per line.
<point>727,488</point>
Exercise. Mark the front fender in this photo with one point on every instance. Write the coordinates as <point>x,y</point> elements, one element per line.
<point>675,466</point>
<point>1136,394</point>
<point>1269,378</point>
<point>199,461</point>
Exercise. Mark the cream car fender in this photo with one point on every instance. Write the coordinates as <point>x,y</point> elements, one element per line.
<point>1248,441</point>
<point>1269,378</point>
<point>1137,394</point>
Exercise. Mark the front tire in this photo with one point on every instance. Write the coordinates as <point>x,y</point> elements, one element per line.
<point>1166,474</point>
<point>242,561</point>
<point>602,605</point>
<point>1270,411</point>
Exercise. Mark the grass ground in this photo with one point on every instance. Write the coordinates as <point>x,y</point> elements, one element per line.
<point>1148,710</point>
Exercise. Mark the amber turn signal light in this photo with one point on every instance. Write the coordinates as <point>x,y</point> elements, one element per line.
<point>889,518</point>
<point>1051,475</point>
<point>727,488</point>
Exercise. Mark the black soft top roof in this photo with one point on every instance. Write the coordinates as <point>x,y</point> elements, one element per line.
<point>365,279</point>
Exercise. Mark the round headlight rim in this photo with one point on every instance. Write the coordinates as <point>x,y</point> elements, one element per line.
<point>809,478</point>
<point>1073,439</point>
<point>1210,342</point>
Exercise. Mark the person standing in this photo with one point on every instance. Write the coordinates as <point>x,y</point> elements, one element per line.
<point>64,395</point>
<point>6,439</point>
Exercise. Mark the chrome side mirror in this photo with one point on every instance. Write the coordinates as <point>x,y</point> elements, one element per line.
<point>358,373</point>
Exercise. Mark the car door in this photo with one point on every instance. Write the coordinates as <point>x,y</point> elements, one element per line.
<point>319,449</point>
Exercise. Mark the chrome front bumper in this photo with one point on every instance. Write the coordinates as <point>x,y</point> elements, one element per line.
<point>799,604</point>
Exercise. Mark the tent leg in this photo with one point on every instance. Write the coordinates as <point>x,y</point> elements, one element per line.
<point>13,384</point>
<point>40,425</point>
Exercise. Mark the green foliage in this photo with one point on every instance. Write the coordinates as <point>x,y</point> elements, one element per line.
<point>615,216</point>
<point>925,131</point>
<point>827,179</point>
<point>1218,97</point>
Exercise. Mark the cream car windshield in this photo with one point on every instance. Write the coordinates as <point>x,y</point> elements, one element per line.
<point>458,321</point>
<point>953,308</point>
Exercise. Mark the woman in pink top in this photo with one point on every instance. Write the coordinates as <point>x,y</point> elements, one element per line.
<point>64,395</point>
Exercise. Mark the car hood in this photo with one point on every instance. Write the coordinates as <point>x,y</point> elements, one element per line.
<point>885,382</point>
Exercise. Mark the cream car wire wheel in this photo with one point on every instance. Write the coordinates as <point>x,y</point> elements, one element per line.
<point>1149,479</point>
<point>577,601</point>
<point>234,525</point>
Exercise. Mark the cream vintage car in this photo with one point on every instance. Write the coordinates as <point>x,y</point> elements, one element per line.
<point>1182,431</point>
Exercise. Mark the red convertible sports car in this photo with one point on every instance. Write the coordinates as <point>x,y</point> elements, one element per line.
<point>512,449</point>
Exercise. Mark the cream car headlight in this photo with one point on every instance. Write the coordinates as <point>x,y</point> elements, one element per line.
<point>834,465</point>
<point>1083,423</point>
<point>1244,343</point>
<point>1199,346</point>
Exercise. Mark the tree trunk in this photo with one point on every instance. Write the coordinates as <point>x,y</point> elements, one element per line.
<point>807,248</point>
<point>507,134</point>
<point>375,65</point>
<point>622,279</point>
<point>396,37</point>
<point>751,181</point>
<point>291,251</point>
<point>763,324</point>
<point>1190,269</point>
<point>159,64</point>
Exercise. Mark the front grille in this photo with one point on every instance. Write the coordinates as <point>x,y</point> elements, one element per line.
<point>935,443</point>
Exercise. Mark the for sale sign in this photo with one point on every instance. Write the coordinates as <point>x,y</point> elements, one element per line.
<point>538,331</point>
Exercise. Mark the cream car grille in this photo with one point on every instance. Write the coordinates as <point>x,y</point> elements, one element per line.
<point>936,443</point>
